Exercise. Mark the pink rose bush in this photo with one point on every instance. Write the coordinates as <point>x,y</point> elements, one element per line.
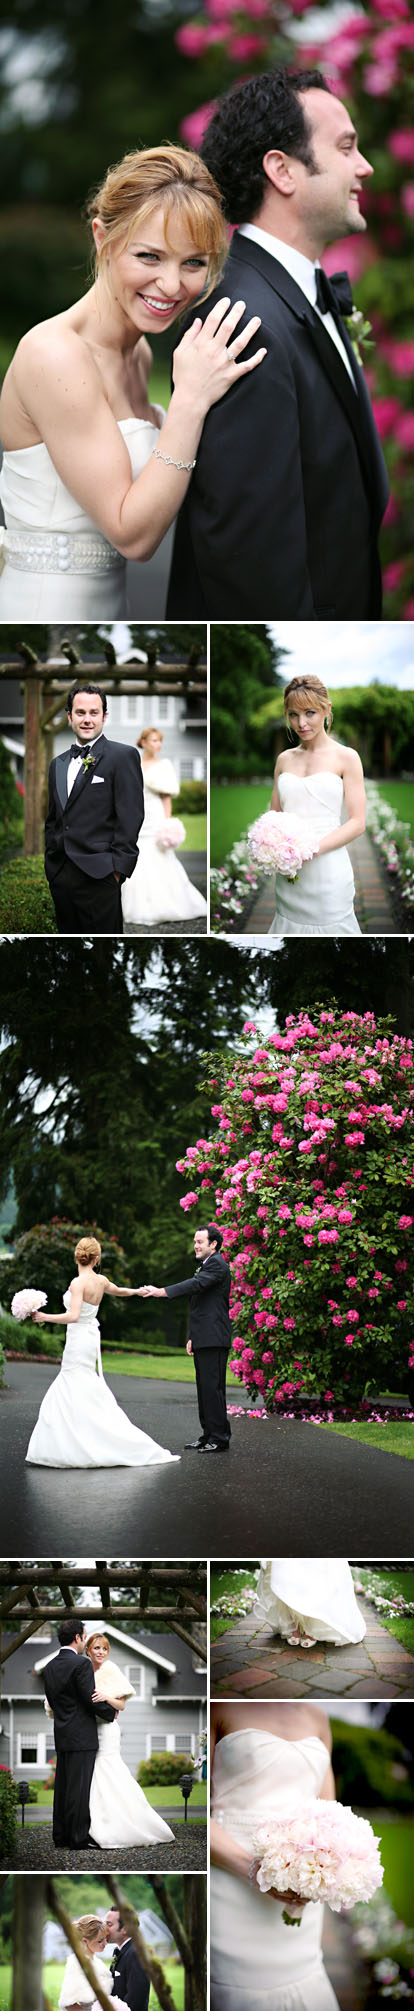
<point>280,843</point>
<point>367,60</point>
<point>321,1851</point>
<point>318,1242</point>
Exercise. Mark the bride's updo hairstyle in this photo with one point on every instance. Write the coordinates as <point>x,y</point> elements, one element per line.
<point>146,735</point>
<point>88,1251</point>
<point>88,1927</point>
<point>310,688</point>
<point>165,177</point>
<point>96,1640</point>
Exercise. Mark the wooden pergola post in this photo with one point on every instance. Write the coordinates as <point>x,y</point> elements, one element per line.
<point>34,767</point>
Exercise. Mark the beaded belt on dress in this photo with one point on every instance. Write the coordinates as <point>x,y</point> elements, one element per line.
<point>58,552</point>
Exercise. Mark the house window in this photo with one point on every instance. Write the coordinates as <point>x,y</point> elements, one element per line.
<point>163,707</point>
<point>170,1742</point>
<point>135,1675</point>
<point>186,771</point>
<point>132,702</point>
<point>31,1749</point>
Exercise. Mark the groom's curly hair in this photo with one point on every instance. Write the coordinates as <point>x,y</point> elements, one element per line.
<point>264,112</point>
<point>82,686</point>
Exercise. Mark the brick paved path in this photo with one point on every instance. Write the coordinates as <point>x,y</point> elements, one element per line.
<point>372,901</point>
<point>250,1661</point>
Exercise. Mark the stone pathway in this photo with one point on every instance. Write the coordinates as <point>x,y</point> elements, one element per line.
<point>372,901</point>
<point>249,1660</point>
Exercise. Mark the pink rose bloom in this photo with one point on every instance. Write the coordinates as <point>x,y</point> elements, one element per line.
<point>345,1215</point>
<point>352,1316</point>
<point>405,1222</point>
<point>188,1201</point>
<point>349,1340</point>
<point>401,1305</point>
<point>404,426</point>
<point>289,1325</point>
<point>193,127</point>
<point>351,1281</point>
<point>386,412</point>
<point>267,1357</point>
<point>328,1236</point>
<point>271,1320</point>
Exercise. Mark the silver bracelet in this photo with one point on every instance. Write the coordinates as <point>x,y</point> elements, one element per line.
<point>171,463</point>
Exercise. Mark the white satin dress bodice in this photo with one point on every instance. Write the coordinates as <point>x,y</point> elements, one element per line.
<point>159,889</point>
<point>57,564</point>
<point>119,1812</point>
<point>80,1422</point>
<point>315,1594</point>
<point>321,901</point>
<point>257,1962</point>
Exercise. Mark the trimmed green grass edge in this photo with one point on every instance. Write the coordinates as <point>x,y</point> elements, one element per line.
<point>398,1437</point>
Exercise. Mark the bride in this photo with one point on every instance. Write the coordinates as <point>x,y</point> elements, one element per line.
<point>75,1989</point>
<point>87,480</point>
<point>159,889</point>
<point>79,1422</point>
<point>314,780</point>
<point>264,1757</point>
<point>119,1812</point>
<point>309,1599</point>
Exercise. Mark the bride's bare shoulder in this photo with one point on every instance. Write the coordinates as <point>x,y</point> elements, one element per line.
<point>53,346</point>
<point>319,1725</point>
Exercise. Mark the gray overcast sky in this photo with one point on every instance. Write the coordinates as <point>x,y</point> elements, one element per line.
<point>349,652</point>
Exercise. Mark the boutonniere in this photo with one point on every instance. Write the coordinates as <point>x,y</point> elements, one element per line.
<point>88,761</point>
<point>360,332</point>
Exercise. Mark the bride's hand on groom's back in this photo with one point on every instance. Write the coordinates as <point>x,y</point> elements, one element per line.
<point>206,362</point>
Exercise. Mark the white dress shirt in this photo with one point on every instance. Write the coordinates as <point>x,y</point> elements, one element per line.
<point>75,763</point>
<point>304,272</point>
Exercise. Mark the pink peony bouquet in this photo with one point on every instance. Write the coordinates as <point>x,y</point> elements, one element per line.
<point>171,833</point>
<point>321,1851</point>
<point>280,843</point>
<point>26,1303</point>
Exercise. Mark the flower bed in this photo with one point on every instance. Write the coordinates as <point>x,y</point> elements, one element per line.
<point>233,888</point>
<point>396,848</point>
<point>309,1174</point>
<point>387,1946</point>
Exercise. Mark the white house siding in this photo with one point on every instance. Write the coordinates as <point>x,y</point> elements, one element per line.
<point>146,1725</point>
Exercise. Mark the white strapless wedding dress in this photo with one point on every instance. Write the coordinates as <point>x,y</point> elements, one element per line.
<point>119,1812</point>
<point>80,1422</point>
<point>321,901</point>
<point>257,1962</point>
<point>315,1594</point>
<point>159,889</point>
<point>57,565</point>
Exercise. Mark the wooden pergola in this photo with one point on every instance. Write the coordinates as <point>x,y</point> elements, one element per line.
<point>24,1604</point>
<point>35,1895</point>
<point>45,685</point>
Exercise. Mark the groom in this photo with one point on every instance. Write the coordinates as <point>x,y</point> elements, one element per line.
<point>96,808</point>
<point>209,1292</point>
<point>283,512</point>
<point>69,1685</point>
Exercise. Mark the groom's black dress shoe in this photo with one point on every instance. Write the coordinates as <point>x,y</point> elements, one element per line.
<point>210,1446</point>
<point>194,1444</point>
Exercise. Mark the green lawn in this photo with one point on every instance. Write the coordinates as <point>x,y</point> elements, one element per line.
<point>161,1796</point>
<point>401,797</point>
<point>388,1582</point>
<point>226,1581</point>
<point>196,832</point>
<point>232,808</point>
<point>53,1976</point>
<point>176,1366</point>
<point>390,1437</point>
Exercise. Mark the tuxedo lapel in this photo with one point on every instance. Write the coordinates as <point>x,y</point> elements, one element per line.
<point>85,775</point>
<point>355,402</point>
<point>61,775</point>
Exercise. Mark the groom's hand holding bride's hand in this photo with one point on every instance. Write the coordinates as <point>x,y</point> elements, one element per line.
<point>151,1292</point>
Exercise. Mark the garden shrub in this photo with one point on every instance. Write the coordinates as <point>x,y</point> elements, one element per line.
<point>11,807</point>
<point>26,906</point>
<point>43,1259</point>
<point>191,800</point>
<point>163,1768</point>
<point>8,1812</point>
<point>370,1767</point>
<point>308,1175</point>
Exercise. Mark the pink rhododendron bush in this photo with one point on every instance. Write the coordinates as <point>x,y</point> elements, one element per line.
<point>309,1172</point>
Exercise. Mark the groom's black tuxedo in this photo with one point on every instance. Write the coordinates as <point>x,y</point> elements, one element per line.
<point>283,510</point>
<point>209,1292</point>
<point>92,834</point>
<point>69,1682</point>
<point>130,1981</point>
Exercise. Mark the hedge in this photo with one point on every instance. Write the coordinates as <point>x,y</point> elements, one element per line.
<point>163,1767</point>
<point>8,1812</point>
<point>191,800</point>
<point>26,906</point>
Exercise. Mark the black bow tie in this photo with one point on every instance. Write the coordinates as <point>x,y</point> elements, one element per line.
<point>333,295</point>
<point>80,750</point>
<point>115,1953</point>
